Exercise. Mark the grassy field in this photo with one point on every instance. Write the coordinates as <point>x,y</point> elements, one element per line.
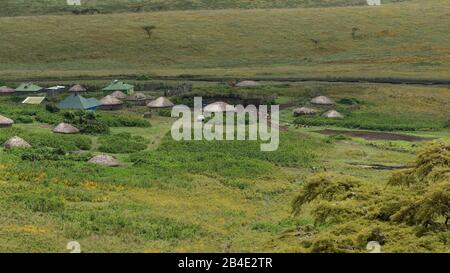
<point>201,196</point>
<point>381,42</point>
<point>40,7</point>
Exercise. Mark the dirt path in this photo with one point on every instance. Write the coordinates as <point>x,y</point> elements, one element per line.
<point>368,135</point>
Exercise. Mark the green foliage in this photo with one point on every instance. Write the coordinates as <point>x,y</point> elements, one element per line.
<point>124,121</point>
<point>41,203</point>
<point>165,112</point>
<point>122,143</point>
<point>432,165</point>
<point>349,209</point>
<point>87,121</point>
<point>334,138</point>
<point>371,121</point>
<point>49,139</point>
<point>325,186</point>
<point>52,108</point>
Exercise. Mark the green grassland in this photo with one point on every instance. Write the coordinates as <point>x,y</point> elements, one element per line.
<point>397,40</point>
<point>40,7</point>
<point>173,196</point>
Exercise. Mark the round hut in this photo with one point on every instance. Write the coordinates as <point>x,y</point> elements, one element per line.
<point>161,102</point>
<point>104,160</point>
<point>219,107</point>
<point>333,114</point>
<point>247,84</point>
<point>5,122</point>
<point>138,99</point>
<point>110,103</point>
<point>77,88</point>
<point>16,142</point>
<point>322,100</point>
<point>5,90</point>
<point>119,95</point>
<point>65,128</point>
<point>304,111</point>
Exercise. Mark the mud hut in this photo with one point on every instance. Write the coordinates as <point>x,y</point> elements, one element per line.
<point>247,84</point>
<point>104,160</point>
<point>219,107</point>
<point>5,122</point>
<point>65,128</point>
<point>333,114</point>
<point>161,102</point>
<point>16,142</point>
<point>119,95</point>
<point>5,90</point>
<point>138,99</point>
<point>304,111</point>
<point>322,100</point>
<point>110,103</point>
<point>77,88</point>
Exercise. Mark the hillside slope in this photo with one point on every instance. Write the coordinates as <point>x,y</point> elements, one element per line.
<point>409,39</point>
<point>40,7</point>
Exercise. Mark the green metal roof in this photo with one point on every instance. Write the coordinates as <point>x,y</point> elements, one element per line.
<point>118,86</point>
<point>76,101</point>
<point>28,87</point>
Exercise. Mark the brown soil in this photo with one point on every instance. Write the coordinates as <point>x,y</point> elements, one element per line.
<point>374,135</point>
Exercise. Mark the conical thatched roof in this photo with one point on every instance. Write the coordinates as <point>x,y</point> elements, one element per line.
<point>119,95</point>
<point>16,142</point>
<point>218,107</point>
<point>77,88</point>
<point>322,100</point>
<point>333,114</point>
<point>137,96</point>
<point>65,128</point>
<point>161,102</point>
<point>6,90</point>
<point>110,100</point>
<point>304,111</point>
<point>247,83</point>
<point>4,121</point>
<point>105,160</point>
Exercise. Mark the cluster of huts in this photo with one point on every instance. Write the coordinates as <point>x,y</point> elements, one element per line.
<point>121,93</point>
<point>319,101</point>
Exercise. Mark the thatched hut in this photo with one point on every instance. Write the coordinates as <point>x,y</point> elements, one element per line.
<point>333,114</point>
<point>77,88</point>
<point>110,103</point>
<point>247,84</point>
<point>65,128</point>
<point>119,95</point>
<point>304,111</point>
<point>161,102</point>
<point>5,122</point>
<point>105,160</point>
<point>138,99</point>
<point>16,142</point>
<point>5,90</point>
<point>322,100</point>
<point>219,107</point>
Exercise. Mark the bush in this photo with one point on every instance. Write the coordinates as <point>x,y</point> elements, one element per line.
<point>122,121</point>
<point>165,112</point>
<point>122,143</point>
<point>87,121</point>
<point>52,108</point>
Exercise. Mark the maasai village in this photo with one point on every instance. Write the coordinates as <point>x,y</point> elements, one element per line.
<point>87,154</point>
